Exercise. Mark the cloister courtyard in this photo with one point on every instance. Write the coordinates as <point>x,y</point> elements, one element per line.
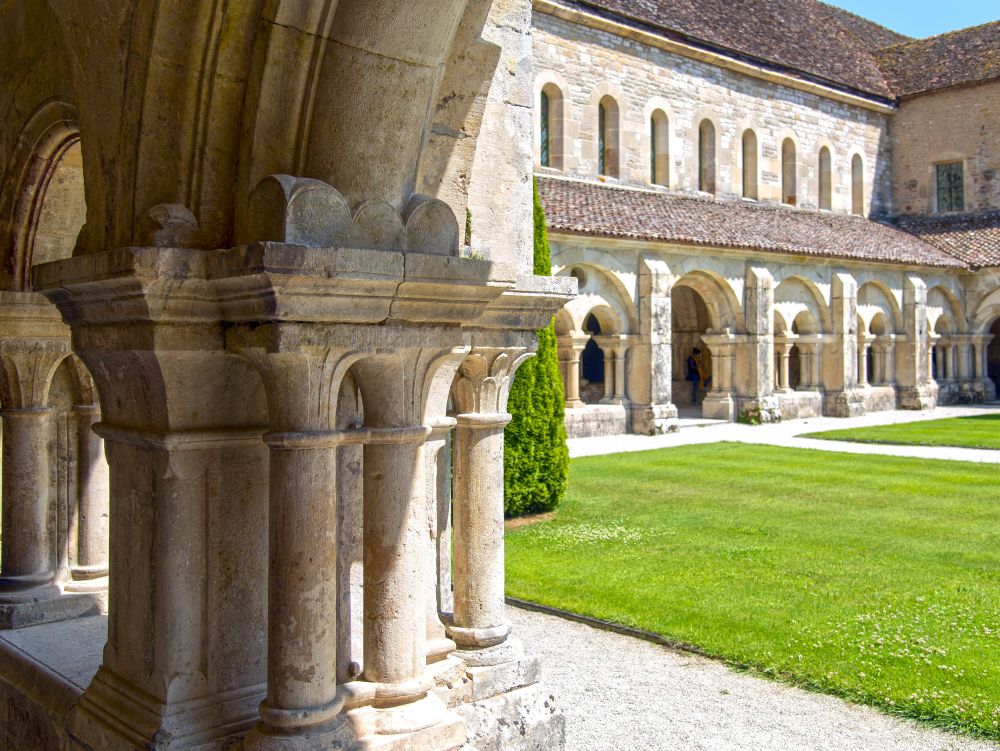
<point>876,580</point>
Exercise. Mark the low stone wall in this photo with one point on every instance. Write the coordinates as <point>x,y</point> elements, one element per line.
<point>798,405</point>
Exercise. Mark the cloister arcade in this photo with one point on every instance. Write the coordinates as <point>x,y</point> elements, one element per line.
<point>780,339</point>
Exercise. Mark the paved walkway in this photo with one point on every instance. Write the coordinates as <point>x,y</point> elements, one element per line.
<point>624,694</point>
<point>788,434</point>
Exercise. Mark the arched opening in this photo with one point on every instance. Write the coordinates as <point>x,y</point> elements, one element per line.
<point>692,369</point>
<point>857,185</point>
<point>789,191</point>
<point>592,364</point>
<point>825,179</point>
<point>749,164</point>
<point>607,137</point>
<point>993,355</point>
<point>659,149</point>
<point>550,127</point>
<point>942,356</point>
<point>706,156</point>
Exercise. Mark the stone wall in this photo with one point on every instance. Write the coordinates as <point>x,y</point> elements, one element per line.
<point>951,125</point>
<point>588,63</point>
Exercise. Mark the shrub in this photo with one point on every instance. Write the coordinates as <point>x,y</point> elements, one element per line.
<point>536,460</point>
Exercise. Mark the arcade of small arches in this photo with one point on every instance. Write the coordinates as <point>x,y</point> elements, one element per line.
<point>776,341</point>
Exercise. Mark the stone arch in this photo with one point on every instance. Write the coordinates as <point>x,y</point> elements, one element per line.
<point>794,295</point>
<point>46,168</point>
<point>601,290</point>
<point>987,312</point>
<point>943,301</point>
<point>880,325</point>
<point>875,297</point>
<point>551,86</point>
<point>724,309</point>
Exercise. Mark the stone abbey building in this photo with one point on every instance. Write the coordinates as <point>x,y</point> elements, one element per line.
<point>810,199</point>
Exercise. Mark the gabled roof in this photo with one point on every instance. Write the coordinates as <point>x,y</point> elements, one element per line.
<point>961,57</point>
<point>591,209</point>
<point>824,43</point>
<point>974,239</point>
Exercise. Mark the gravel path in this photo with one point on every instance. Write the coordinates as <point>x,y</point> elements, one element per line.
<point>624,694</point>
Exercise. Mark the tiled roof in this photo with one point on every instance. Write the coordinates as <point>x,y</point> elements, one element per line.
<point>804,35</point>
<point>961,57</point>
<point>592,209</point>
<point>972,238</point>
<point>872,35</point>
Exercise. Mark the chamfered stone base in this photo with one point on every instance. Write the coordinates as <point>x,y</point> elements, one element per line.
<point>759,411</point>
<point>718,407</point>
<point>654,419</point>
<point>51,606</point>
<point>920,397</point>
<point>527,719</point>
<point>845,404</point>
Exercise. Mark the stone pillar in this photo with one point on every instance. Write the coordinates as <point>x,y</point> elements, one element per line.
<point>864,345</point>
<point>609,374</point>
<point>963,349</point>
<point>949,360</point>
<point>302,587</point>
<point>754,370</point>
<point>620,392</point>
<point>719,402</point>
<point>480,618</point>
<point>574,351</point>
<point>92,526</point>
<point>479,626</point>
<point>939,358</point>
<point>912,372</point>
<point>437,457</point>
<point>784,352</point>
<point>840,361</point>
<point>650,379</point>
<point>28,551</point>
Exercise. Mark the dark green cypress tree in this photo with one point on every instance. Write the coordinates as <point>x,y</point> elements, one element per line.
<point>536,460</point>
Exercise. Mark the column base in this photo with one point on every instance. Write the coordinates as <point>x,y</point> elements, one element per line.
<point>845,404</point>
<point>525,719</point>
<point>917,397</point>
<point>47,603</point>
<point>477,638</point>
<point>113,715</point>
<point>654,419</point>
<point>718,405</point>
<point>759,410</point>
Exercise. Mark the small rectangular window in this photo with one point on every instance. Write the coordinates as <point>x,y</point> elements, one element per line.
<point>950,187</point>
<point>545,156</point>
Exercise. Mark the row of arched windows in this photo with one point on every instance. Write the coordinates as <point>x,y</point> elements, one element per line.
<point>550,129</point>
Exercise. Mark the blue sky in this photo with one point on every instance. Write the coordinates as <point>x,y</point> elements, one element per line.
<point>924,18</point>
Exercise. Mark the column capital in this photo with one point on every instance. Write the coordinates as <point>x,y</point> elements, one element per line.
<point>484,379</point>
<point>484,420</point>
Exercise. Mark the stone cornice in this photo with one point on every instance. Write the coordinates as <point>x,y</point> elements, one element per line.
<point>594,21</point>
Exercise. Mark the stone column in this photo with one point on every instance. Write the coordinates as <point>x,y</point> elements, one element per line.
<point>620,351</point>
<point>577,343</point>
<point>28,551</point>
<point>302,586</point>
<point>784,352</point>
<point>479,626</point>
<point>92,483</point>
<point>939,356</point>
<point>864,344</point>
<point>949,360</point>
<point>964,353</point>
<point>395,612</point>
<point>480,618</point>
<point>719,402</point>
<point>609,373</point>
<point>437,457</point>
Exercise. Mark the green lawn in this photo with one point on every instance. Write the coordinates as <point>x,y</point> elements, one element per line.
<point>871,577</point>
<point>979,432</point>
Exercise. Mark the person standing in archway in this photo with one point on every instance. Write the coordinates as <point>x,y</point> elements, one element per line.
<point>695,373</point>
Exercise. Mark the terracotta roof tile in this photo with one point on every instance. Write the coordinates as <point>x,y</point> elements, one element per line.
<point>961,57</point>
<point>804,35</point>
<point>592,209</point>
<point>974,239</point>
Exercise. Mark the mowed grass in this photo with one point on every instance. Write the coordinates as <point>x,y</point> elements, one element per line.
<point>977,431</point>
<point>873,578</point>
